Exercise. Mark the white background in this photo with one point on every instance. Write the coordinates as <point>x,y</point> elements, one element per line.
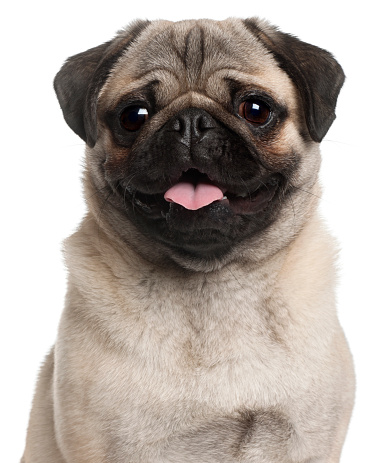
<point>41,160</point>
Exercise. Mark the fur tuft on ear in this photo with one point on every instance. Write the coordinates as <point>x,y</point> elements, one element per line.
<point>79,81</point>
<point>315,72</point>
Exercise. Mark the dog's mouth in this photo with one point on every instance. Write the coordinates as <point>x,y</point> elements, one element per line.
<point>195,191</point>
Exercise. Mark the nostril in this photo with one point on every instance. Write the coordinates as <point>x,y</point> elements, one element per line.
<point>204,123</point>
<point>191,123</point>
<point>176,126</point>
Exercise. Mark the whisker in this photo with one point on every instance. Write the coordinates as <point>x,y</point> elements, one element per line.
<point>304,191</point>
<point>101,212</point>
<point>338,142</point>
<point>293,210</point>
<point>234,276</point>
<point>96,192</point>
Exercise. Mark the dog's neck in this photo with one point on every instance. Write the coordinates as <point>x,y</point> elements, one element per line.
<point>95,248</point>
<point>176,308</point>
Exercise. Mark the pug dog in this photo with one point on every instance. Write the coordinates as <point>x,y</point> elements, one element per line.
<point>200,321</point>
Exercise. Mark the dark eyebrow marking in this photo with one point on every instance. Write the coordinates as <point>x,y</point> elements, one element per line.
<point>146,93</point>
<point>194,52</point>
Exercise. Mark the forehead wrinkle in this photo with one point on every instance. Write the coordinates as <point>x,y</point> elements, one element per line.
<point>190,50</point>
<point>267,80</point>
<point>111,93</point>
<point>194,56</point>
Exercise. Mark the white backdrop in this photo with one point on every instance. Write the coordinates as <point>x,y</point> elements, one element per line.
<point>41,160</point>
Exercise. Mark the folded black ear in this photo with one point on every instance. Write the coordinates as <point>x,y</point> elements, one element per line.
<point>315,72</point>
<point>78,83</point>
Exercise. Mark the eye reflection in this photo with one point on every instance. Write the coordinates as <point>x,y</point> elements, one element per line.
<point>256,112</point>
<point>133,118</point>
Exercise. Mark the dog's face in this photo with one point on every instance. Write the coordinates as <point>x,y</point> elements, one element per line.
<point>202,135</point>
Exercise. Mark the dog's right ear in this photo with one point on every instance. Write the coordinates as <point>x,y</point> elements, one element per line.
<point>81,78</point>
<point>315,72</point>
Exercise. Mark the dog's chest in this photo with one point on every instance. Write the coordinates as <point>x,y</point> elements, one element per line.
<point>183,368</point>
<point>207,369</point>
<point>210,331</point>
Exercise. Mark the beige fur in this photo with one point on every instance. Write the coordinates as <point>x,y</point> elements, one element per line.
<point>168,359</point>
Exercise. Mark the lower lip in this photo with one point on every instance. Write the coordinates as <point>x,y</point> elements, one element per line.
<point>247,206</point>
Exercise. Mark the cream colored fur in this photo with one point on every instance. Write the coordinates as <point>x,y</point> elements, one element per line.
<point>143,354</point>
<point>164,360</point>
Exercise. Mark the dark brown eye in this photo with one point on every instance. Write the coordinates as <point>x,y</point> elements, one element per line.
<point>255,111</point>
<point>133,118</point>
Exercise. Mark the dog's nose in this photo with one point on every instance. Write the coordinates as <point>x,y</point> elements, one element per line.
<point>191,125</point>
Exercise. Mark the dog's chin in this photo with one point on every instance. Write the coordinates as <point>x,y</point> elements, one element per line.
<point>210,231</point>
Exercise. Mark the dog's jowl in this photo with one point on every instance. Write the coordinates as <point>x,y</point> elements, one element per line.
<point>200,321</point>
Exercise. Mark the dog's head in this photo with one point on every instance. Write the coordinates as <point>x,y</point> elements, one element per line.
<point>202,136</point>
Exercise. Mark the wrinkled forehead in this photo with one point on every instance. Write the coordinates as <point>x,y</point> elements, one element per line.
<point>195,56</point>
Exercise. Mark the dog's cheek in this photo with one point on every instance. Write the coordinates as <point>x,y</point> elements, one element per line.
<point>115,164</point>
<point>281,149</point>
<point>111,155</point>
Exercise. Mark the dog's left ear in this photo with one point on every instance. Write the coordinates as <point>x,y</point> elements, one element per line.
<point>315,72</point>
<point>78,83</point>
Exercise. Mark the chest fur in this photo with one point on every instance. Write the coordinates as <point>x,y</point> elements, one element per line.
<point>179,356</point>
<point>213,344</point>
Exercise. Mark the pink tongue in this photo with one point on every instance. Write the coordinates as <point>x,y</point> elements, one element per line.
<point>193,197</point>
